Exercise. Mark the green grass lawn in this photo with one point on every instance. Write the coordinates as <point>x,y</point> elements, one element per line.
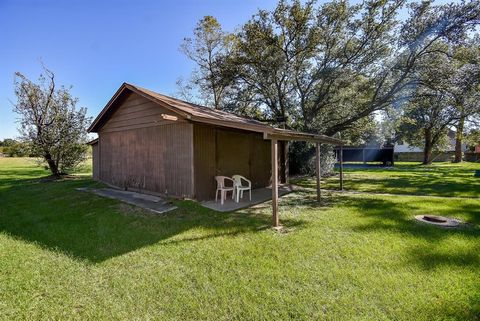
<point>66,254</point>
<point>439,179</point>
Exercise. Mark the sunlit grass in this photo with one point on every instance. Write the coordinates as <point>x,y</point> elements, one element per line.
<point>438,179</point>
<point>66,254</point>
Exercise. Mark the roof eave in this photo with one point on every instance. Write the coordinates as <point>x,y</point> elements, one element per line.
<point>96,121</point>
<point>93,142</point>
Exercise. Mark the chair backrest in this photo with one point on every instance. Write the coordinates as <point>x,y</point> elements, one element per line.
<point>221,180</point>
<point>238,179</point>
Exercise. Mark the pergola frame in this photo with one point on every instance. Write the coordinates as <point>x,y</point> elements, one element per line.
<point>287,135</point>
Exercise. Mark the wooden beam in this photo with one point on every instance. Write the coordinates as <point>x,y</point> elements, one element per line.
<point>341,168</point>
<point>290,138</point>
<point>302,137</point>
<point>318,170</point>
<point>169,117</point>
<point>276,221</point>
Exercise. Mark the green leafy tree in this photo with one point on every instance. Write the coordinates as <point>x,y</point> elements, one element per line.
<point>18,149</point>
<point>425,124</point>
<point>7,142</point>
<point>446,97</point>
<point>472,138</point>
<point>50,122</point>
<point>465,87</point>
<point>325,68</point>
<point>430,112</point>
<point>209,49</point>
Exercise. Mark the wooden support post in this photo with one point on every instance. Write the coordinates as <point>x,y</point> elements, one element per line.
<point>318,170</point>
<point>287,164</point>
<point>341,168</point>
<point>276,221</point>
<point>281,163</point>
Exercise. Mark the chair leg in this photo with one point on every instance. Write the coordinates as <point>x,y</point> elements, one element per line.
<point>233,194</point>
<point>250,192</point>
<point>222,196</point>
<point>216,195</point>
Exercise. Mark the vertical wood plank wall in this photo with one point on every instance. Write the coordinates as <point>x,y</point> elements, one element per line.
<point>220,151</point>
<point>95,161</point>
<point>156,159</point>
<point>141,151</point>
<point>204,147</point>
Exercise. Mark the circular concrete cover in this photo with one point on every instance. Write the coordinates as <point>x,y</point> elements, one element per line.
<point>439,220</point>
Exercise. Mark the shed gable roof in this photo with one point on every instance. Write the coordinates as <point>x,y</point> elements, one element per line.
<point>202,114</point>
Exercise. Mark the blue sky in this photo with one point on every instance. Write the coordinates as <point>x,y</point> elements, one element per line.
<point>97,45</point>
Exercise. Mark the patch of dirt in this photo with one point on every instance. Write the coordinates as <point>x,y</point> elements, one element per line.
<point>283,230</point>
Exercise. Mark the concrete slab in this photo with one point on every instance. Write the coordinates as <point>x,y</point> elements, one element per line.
<point>153,203</point>
<point>259,195</point>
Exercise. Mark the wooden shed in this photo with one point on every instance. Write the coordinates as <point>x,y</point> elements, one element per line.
<point>157,144</point>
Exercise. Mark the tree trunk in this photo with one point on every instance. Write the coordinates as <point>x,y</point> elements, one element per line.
<point>427,151</point>
<point>52,164</point>
<point>458,140</point>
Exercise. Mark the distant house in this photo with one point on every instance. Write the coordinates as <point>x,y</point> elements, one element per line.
<point>161,145</point>
<point>405,152</point>
<point>474,154</point>
<point>404,147</point>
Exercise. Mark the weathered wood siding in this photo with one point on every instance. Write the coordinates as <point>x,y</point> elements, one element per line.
<point>204,161</point>
<point>219,151</point>
<point>135,111</point>
<point>139,150</point>
<point>95,161</point>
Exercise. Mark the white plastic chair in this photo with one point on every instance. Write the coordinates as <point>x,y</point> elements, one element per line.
<point>224,189</point>
<point>239,187</point>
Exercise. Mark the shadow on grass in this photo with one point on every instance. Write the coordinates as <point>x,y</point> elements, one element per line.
<point>383,215</point>
<point>57,217</point>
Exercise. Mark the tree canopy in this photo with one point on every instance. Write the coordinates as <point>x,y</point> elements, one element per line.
<point>446,97</point>
<point>327,68</point>
<point>50,122</point>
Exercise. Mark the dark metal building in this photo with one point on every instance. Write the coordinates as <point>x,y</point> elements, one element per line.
<point>384,155</point>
